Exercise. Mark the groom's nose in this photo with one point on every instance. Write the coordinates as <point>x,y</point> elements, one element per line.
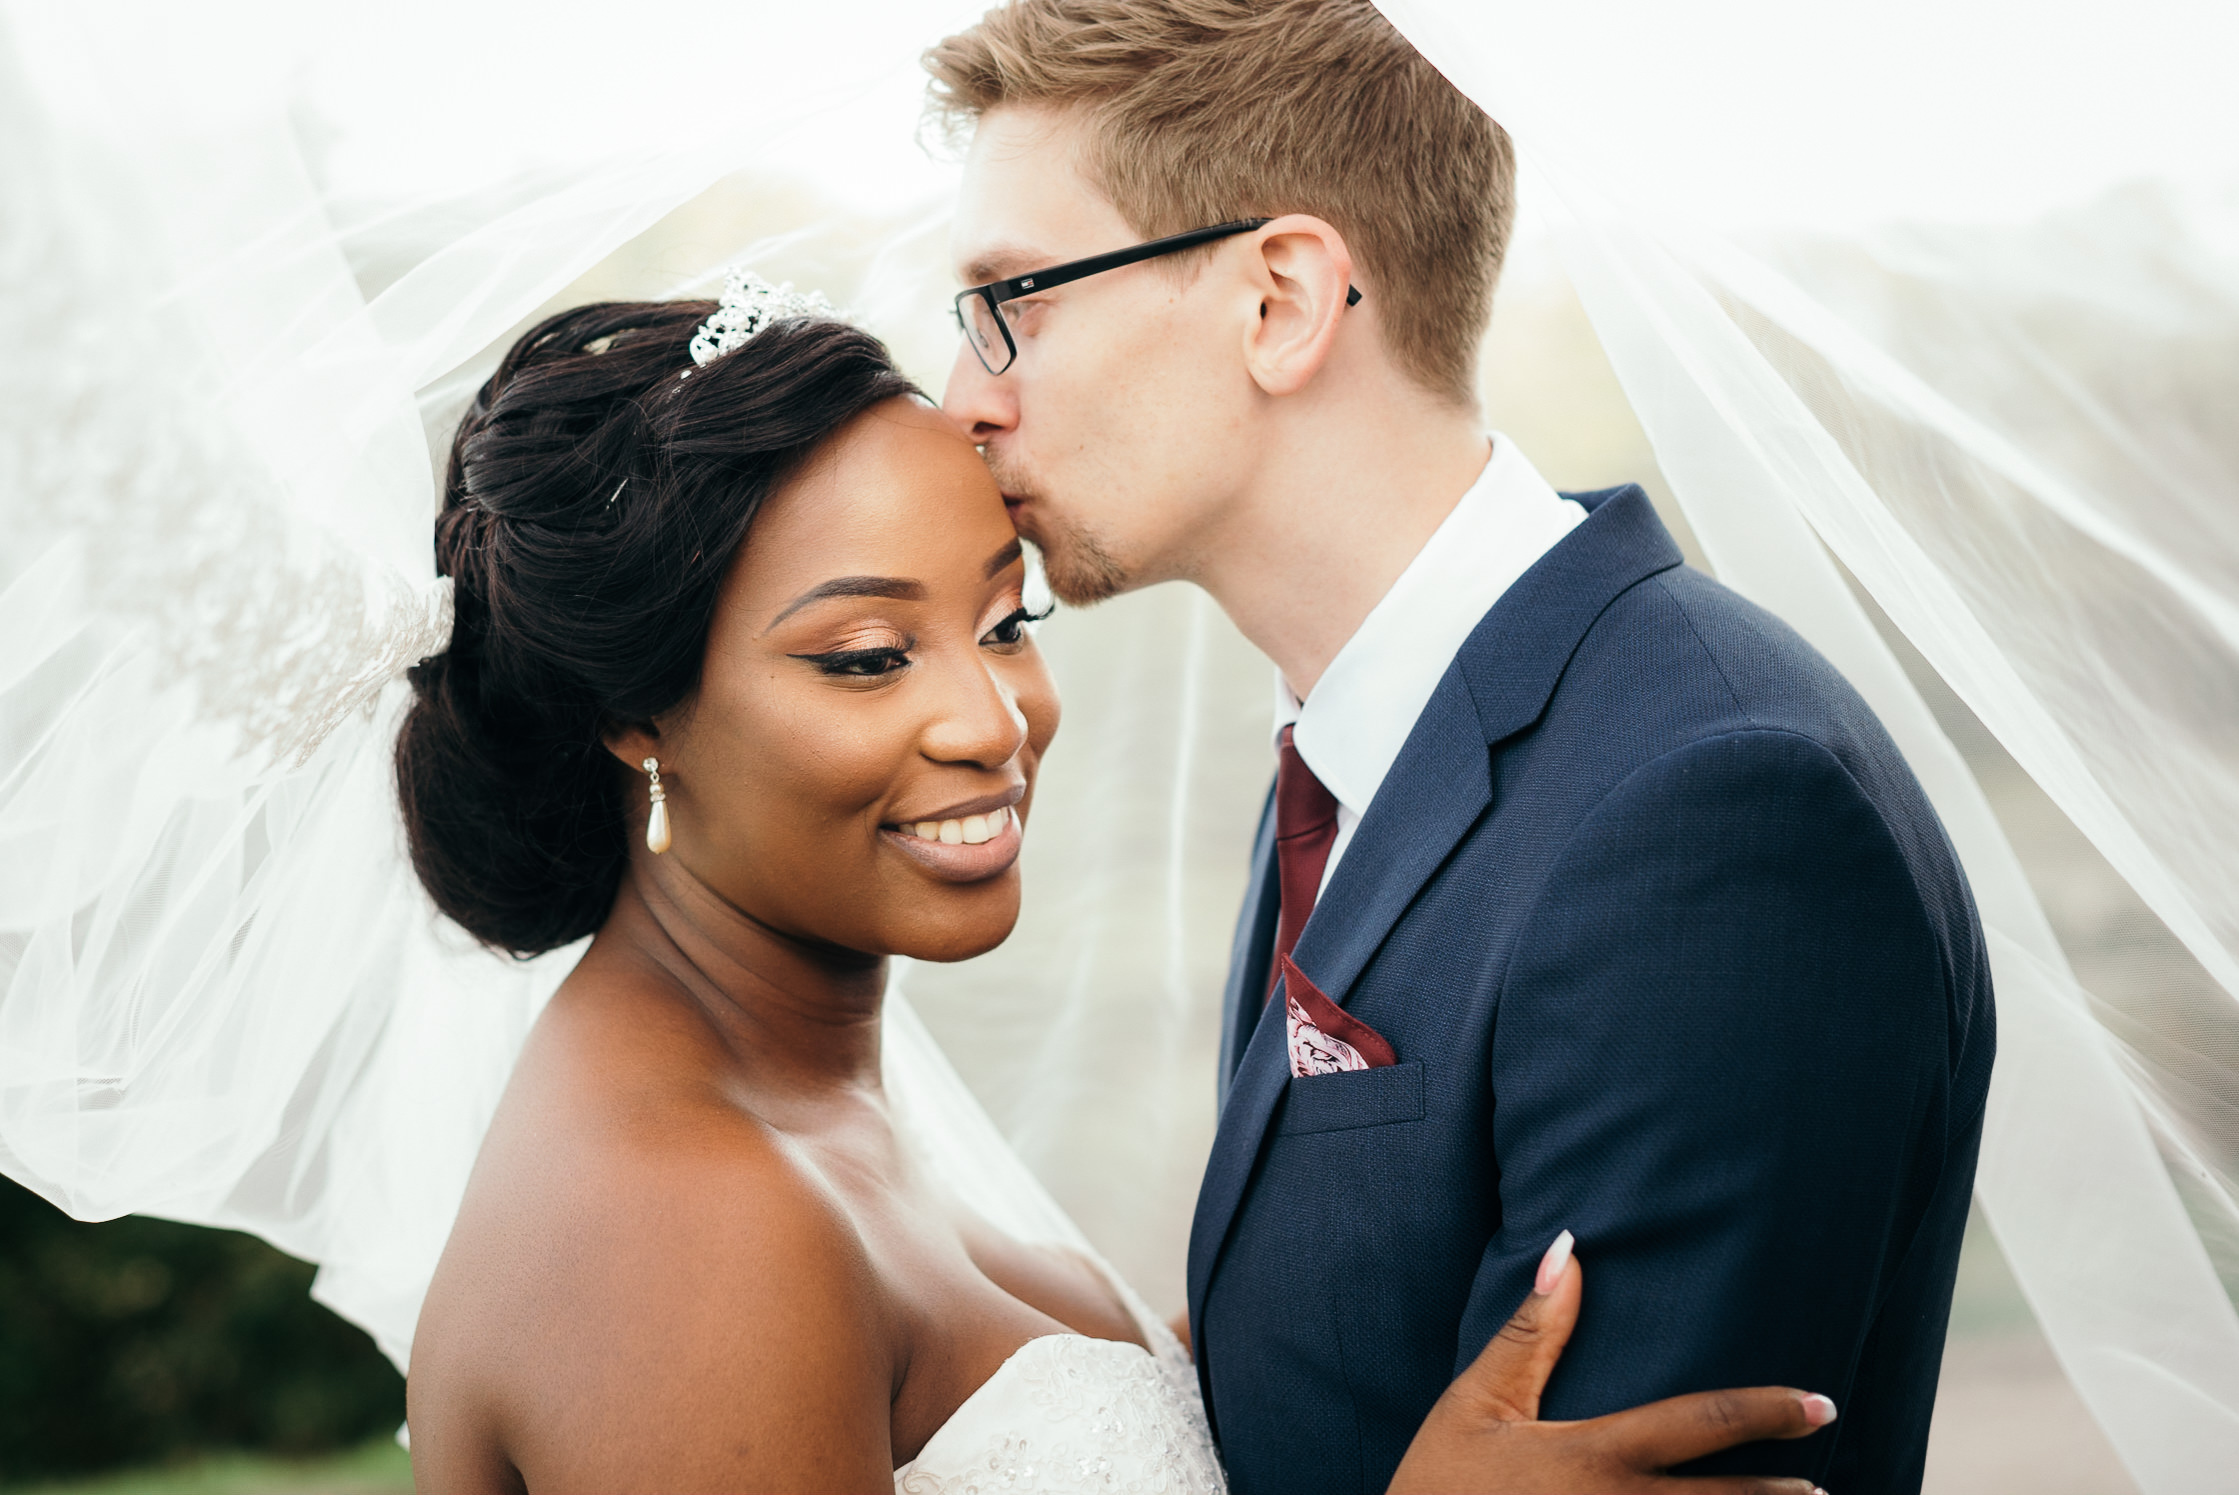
<point>984,404</point>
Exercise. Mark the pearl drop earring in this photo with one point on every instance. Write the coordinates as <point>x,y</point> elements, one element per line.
<point>657,823</point>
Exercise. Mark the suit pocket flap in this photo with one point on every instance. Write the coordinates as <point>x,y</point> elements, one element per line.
<point>1354,1098</point>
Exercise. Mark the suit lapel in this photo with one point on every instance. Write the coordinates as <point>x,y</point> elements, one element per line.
<point>1499,683</point>
<point>1393,853</point>
<point>1252,952</point>
<point>1402,840</point>
<point>1259,1083</point>
<point>1518,653</point>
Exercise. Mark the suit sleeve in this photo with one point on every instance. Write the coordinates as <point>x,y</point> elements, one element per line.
<point>1720,1057</point>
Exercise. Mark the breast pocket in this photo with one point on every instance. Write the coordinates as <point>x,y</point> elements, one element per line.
<point>1354,1098</point>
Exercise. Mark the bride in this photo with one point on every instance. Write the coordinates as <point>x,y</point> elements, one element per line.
<point>692,1186</point>
<point>742,682</point>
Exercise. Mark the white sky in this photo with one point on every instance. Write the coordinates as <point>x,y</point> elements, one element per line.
<point>1759,112</point>
<point>1745,113</point>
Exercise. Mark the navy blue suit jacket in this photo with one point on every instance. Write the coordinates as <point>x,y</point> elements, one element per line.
<point>1675,955</point>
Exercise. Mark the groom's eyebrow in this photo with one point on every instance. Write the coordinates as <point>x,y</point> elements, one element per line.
<point>1002,262</point>
<point>900,588</point>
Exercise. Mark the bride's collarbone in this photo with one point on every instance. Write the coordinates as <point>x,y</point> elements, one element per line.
<point>1060,1283</point>
<point>942,1264</point>
<point>957,1298</point>
<point>951,1274</point>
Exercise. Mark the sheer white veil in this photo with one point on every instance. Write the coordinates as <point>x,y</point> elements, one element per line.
<point>252,260</point>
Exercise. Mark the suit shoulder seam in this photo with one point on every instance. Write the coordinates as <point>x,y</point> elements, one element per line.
<point>1686,616</point>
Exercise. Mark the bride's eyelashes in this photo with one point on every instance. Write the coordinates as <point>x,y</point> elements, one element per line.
<point>1010,634</point>
<point>862,664</point>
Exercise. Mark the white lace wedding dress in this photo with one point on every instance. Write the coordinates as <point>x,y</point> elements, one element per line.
<point>1070,1415</point>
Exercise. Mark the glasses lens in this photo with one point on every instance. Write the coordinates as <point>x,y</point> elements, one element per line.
<point>981,330</point>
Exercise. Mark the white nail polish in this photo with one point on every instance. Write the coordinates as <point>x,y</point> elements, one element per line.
<point>1551,1265</point>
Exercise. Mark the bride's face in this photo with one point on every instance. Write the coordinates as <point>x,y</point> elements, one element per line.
<point>857,762</point>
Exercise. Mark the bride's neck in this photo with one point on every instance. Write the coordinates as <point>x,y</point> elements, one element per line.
<point>793,1012</point>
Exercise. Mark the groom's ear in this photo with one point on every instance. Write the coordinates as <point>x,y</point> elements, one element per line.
<point>1302,272</point>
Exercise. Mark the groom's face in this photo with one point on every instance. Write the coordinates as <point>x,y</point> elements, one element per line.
<point>1117,433</point>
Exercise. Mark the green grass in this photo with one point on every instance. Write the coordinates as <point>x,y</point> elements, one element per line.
<point>378,1468</point>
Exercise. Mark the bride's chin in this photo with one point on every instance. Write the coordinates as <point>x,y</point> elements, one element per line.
<point>947,938</point>
<point>966,896</point>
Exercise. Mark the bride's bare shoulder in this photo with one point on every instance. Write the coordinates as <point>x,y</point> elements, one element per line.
<point>644,1287</point>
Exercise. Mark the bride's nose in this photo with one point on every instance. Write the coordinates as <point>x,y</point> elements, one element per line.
<point>979,722</point>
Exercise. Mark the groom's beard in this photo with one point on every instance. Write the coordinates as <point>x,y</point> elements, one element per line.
<point>1079,566</point>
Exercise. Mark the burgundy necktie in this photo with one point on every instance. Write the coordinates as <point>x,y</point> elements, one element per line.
<point>1305,830</point>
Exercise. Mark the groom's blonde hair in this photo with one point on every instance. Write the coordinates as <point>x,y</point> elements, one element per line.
<point>1202,111</point>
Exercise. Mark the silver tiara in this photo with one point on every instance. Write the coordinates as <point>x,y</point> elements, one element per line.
<point>748,304</point>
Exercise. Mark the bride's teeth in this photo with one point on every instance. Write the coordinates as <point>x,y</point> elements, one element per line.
<point>970,830</point>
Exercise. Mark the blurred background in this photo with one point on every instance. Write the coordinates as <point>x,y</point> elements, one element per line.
<point>150,1346</point>
<point>146,1355</point>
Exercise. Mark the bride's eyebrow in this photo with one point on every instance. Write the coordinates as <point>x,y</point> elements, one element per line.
<point>900,588</point>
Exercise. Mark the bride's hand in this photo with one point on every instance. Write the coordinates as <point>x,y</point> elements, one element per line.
<point>1484,1435</point>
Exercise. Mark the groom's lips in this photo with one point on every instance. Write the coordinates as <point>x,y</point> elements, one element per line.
<point>1024,516</point>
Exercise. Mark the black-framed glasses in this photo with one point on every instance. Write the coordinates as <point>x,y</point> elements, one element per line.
<point>979,310</point>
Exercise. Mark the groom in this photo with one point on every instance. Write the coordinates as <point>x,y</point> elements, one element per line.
<point>1588,896</point>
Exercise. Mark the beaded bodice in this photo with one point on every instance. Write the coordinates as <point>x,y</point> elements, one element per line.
<point>1070,1415</point>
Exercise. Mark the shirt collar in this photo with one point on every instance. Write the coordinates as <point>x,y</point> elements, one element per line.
<point>1351,728</point>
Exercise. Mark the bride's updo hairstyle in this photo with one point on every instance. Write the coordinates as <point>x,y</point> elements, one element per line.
<point>593,505</point>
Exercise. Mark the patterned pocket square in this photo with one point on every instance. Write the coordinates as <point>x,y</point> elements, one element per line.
<point>1325,1039</point>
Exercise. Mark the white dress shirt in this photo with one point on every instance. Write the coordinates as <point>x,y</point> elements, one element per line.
<point>1362,710</point>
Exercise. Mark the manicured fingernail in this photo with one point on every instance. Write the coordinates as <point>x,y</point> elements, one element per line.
<point>1551,1266</point>
<point>1818,1411</point>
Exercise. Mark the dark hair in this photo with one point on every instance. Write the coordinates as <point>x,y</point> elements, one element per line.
<point>592,507</point>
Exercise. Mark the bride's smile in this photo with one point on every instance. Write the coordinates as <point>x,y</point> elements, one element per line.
<point>967,842</point>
